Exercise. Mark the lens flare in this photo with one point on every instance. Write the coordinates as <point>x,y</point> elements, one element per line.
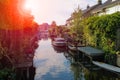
<point>28,5</point>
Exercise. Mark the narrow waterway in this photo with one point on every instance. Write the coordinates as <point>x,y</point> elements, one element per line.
<point>51,64</point>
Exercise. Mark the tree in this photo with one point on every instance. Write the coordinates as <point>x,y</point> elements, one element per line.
<point>53,24</point>
<point>53,28</point>
<point>13,21</point>
<point>77,27</point>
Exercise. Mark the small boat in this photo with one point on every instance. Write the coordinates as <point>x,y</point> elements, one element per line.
<point>59,42</point>
<point>74,47</point>
<point>107,66</point>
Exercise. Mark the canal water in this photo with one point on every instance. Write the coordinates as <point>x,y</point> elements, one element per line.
<point>53,63</point>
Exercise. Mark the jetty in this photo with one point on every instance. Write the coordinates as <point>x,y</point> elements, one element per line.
<point>107,66</point>
<point>91,52</point>
<point>25,64</point>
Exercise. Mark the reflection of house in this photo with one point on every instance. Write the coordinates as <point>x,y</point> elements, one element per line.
<point>109,7</point>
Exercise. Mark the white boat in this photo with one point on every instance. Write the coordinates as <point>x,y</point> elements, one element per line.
<point>107,66</point>
<point>74,47</point>
<point>59,42</point>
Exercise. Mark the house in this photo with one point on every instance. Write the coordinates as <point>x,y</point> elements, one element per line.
<point>69,22</point>
<point>109,7</point>
<point>44,27</point>
<point>88,12</point>
<point>85,13</point>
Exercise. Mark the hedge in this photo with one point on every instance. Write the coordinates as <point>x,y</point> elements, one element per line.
<point>100,31</point>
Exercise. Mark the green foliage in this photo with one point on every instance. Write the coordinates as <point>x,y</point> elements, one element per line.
<point>76,25</point>
<point>6,74</point>
<point>101,31</point>
<point>89,30</point>
<point>17,28</point>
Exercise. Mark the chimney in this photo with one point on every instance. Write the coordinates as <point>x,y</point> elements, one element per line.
<point>88,6</point>
<point>99,2</point>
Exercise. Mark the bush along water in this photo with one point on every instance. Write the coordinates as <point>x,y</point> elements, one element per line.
<point>101,32</point>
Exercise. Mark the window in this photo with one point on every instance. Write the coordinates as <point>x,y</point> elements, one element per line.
<point>113,0</point>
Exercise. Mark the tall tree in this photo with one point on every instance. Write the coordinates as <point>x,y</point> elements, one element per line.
<point>13,21</point>
<point>77,26</point>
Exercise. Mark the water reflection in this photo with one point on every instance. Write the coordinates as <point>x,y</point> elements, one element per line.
<point>59,49</point>
<point>78,69</point>
<point>78,72</point>
<point>83,70</point>
<point>44,36</point>
<point>52,66</point>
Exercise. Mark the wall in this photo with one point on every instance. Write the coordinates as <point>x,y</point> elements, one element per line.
<point>110,10</point>
<point>118,39</point>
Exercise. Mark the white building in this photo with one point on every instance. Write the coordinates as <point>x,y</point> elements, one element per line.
<point>109,7</point>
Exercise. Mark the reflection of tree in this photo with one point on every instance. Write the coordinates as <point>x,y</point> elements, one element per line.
<point>77,68</point>
<point>83,72</point>
<point>79,71</point>
<point>53,27</point>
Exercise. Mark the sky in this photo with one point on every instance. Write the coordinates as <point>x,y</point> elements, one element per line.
<point>46,11</point>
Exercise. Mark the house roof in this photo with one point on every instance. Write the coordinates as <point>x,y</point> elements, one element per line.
<point>89,9</point>
<point>107,4</point>
<point>69,19</point>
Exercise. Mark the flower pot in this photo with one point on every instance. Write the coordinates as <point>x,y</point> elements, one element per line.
<point>118,60</point>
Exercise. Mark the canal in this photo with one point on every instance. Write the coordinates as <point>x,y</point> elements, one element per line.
<point>53,64</point>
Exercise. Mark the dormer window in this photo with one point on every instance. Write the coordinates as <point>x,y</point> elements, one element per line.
<point>99,2</point>
<point>113,0</point>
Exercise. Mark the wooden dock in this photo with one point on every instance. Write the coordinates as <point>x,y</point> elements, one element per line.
<point>90,51</point>
<point>25,68</point>
<point>107,66</point>
<point>23,65</point>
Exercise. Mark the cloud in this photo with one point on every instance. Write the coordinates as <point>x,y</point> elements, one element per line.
<point>47,61</point>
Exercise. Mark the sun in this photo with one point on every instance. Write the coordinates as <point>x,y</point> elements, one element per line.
<point>28,5</point>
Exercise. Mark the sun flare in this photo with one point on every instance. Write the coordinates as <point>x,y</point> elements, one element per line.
<point>28,5</point>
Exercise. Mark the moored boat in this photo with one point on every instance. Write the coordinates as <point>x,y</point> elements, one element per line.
<point>59,42</point>
<point>74,47</point>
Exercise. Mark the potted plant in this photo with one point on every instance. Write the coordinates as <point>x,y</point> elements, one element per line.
<point>118,58</point>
